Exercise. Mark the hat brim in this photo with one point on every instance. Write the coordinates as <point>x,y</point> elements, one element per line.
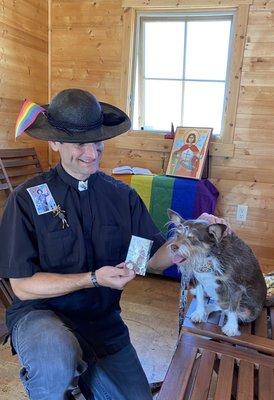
<point>41,128</point>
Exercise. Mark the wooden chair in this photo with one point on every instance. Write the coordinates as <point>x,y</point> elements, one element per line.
<point>16,165</point>
<point>210,365</point>
<point>238,373</point>
<point>6,297</point>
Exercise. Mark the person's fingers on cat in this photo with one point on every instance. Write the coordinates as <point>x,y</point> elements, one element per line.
<point>212,219</point>
<point>207,217</point>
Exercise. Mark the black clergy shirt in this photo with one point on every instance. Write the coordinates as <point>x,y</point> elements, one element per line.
<point>101,221</point>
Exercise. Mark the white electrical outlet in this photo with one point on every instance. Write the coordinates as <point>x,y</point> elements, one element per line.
<point>241,212</point>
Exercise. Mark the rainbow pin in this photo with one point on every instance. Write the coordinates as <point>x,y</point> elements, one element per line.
<point>27,116</point>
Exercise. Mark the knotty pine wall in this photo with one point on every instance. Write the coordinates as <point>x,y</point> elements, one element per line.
<point>87,53</point>
<point>23,67</point>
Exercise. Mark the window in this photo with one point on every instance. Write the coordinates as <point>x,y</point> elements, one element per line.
<point>181,70</point>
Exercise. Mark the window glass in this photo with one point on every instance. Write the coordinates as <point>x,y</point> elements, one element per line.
<point>163,104</point>
<point>164,42</point>
<point>203,104</point>
<point>207,49</point>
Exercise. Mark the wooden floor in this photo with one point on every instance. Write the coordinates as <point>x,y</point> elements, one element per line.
<point>150,309</point>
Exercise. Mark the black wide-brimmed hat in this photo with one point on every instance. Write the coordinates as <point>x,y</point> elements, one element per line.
<point>76,116</point>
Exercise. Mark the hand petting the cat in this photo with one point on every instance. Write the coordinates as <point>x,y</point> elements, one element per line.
<point>212,219</point>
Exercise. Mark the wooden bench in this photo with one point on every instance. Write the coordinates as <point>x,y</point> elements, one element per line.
<point>202,368</point>
<point>210,365</point>
<point>258,335</point>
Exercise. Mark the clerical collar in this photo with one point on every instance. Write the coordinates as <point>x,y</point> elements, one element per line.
<point>82,185</point>
<point>70,180</point>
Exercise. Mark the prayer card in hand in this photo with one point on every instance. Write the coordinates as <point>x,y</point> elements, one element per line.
<point>138,254</point>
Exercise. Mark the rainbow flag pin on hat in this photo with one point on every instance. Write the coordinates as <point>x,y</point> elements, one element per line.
<point>27,116</point>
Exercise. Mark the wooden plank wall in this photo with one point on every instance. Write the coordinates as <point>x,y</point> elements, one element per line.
<point>248,177</point>
<point>23,67</point>
<point>87,53</point>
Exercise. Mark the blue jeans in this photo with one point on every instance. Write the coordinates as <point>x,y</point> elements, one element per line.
<point>53,364</point>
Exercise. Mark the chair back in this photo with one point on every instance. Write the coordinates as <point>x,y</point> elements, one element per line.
<point>17,165</point>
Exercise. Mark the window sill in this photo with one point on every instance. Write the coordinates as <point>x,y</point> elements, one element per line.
<point>155,141</point>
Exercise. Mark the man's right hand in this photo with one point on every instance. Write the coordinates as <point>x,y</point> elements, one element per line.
<point>114,277</point>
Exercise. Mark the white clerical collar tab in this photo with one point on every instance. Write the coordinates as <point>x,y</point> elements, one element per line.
<point>82,185</point>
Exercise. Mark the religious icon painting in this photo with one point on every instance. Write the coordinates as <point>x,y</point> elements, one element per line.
<point>42,198</point>
<point>189,152</point>
<point>138,254</point>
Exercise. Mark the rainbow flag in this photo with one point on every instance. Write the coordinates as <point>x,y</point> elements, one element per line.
<point>189,197</point>
<point>27,116</point>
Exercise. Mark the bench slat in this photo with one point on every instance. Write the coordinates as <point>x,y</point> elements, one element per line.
<point>261,324</point>
<point>252,341</point>
<point>245,389</point>
<point>29,151</point>
<point>266,383</point>
<point>20,172</point>
<point>235,352</point>
<point>16,162</point>
<point>204,375</point>
<point>225,377</point>
<point>178,373</point>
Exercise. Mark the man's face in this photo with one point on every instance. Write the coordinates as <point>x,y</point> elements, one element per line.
<point>80,160</point>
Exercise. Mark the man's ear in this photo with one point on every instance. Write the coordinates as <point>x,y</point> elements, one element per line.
<point>54,145</point>
<point>217,231</point>
<point>174,217</point>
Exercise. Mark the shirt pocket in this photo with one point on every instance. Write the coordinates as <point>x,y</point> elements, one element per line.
<point>59,251</point>
<point>109,248</point>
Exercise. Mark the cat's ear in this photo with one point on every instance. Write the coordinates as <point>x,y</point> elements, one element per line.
<point>174,217</point>
<point>217,231</point>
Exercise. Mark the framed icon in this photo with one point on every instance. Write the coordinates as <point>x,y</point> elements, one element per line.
<point>189,152</point>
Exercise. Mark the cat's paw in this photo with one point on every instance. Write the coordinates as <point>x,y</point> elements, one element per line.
<point>198,316</point>
<point>230,330</point>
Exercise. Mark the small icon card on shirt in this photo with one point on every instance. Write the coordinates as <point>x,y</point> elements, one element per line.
<point>42,198</point>
<point>138,254</point>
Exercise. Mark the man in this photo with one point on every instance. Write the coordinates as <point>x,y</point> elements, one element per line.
<point>65,264</point>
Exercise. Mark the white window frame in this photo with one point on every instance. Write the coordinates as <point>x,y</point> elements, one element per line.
<point>222,146</point>
<point>143,17</point>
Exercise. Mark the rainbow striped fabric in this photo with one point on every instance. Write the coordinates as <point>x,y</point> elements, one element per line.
<point>188,197</point>
<point>27,116</point>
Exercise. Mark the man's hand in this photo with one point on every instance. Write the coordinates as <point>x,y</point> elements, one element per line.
<point>114,277</point>
<point>212,219</point>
